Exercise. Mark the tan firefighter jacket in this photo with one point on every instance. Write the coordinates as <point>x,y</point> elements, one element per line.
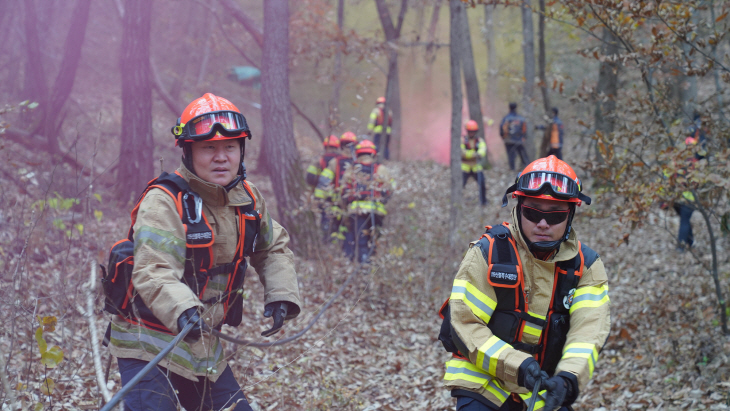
<point>159,258</point>
<point>493,365</point>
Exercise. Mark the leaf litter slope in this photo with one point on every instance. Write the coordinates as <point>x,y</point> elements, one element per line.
<point>376,347</point>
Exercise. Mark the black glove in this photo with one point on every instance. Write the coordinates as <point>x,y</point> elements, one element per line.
<point>530,373</point>
<point>191,315</point>
<point>278,310</point>
<point>557,389</point>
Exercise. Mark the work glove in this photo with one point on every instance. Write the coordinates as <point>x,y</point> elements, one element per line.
<point>191,315</point>
<point>278,310</point>
<point>557,389</point>
<point>530,373</point>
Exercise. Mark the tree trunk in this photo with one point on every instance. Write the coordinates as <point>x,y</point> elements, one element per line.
<point>35,87</point>
<point>528,50</point>
<point>716,69</point>
<point>334,111</point>
<point>137,146</point>
<point>607,87</point>
<point>430,48</point>
<point>492,66</point>
<point>541,59</point>
<point>66,75</point>
<point>278,129</point>
<point>456,8</point>
<point>392,95</point>
<point>470,75</point>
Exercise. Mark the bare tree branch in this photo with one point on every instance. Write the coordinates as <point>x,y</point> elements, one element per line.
<point>256,32</point>
<point>166,97</point>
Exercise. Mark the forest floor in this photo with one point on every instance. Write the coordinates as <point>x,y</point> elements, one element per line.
<point>376,347</point>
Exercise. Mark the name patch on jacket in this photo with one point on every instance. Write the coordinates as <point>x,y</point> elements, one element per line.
<point>205,235</point>
<point>503,274</point>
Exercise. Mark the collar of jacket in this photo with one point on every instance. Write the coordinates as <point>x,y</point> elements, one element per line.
<point>215,194</point>
<point>568,249</point>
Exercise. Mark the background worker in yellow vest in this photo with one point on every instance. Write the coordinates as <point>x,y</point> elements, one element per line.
<point>329,184</point>
<point>473,151</point>
<point>331,150</point>
<point>556,136</point>
<point>366,188</point>
<point>529,305</point>
<point>381,137</point>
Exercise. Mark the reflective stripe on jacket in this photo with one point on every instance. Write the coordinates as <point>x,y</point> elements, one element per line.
<point>492,366</point>
<point>472,154</point>
<point>159,258</point>
<point>376,121</point>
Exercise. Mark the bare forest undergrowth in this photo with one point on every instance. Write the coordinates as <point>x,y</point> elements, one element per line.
<point>376,348</point>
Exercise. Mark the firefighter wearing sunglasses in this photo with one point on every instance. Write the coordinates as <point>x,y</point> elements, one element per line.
<point>529,305</point>
<point>190,256</point>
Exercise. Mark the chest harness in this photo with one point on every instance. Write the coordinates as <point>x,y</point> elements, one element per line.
<point>359,189</point>
<point>511,316</point>
<point>120,297</point>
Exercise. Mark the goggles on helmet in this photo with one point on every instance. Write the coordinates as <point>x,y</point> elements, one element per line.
<point>206,126</point>
<point>556,185</point>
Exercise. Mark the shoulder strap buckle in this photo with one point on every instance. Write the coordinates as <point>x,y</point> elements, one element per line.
<point>197,204</point>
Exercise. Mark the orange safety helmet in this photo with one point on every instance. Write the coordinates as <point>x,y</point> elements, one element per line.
<point>380,100</point>
<point>549,178</point>
<point>366,147</point>
<point>348,137</point>
<point>331,141</point>
<point>690,141</point>
<point>210,118</point>
<point>472,125</point>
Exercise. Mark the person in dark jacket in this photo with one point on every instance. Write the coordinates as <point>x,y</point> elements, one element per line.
<point>513,131</point>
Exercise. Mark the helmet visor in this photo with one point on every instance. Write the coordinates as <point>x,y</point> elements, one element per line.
<point>554,184</point>
<point>225,123</point>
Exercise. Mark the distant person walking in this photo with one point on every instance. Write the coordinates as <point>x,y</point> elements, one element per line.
<point>513,131</point>
<point>473,151</point>
<point>556,136</point>
<point>381,137</point>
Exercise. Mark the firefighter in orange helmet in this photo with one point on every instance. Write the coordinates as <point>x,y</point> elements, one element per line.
<point>329,183</point>
<point>529,306</point>
<point>190,253</point>
<point>366,187</point>
<point>323,199</point>
<point>473,151</point>
<point>381,137</point>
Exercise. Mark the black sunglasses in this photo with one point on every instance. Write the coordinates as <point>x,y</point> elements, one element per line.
<point>551,217</point>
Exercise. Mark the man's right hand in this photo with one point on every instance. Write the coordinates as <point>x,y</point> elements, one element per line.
<point>191,315</point>
<point>530,373</point>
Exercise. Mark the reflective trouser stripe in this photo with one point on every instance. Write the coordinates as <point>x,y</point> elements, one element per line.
<point>488,354</point>
<point>464,370</point>
<point>583,350</point>
<point>481,305</point>
<point>319,193</point>
<point>589,297</point>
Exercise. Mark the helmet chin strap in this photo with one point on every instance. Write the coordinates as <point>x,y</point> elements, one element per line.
<point>544,246</point>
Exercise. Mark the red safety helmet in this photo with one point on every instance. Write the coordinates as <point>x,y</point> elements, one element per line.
<point>549,178</point>
<point>331,141</point>
<point>210,118</point>
<point>366,147</point>
<point>348,137</point>
<point>380,100</point>
<point>472,125</point>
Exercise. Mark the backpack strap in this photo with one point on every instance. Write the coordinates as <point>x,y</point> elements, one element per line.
<point>504,267</point>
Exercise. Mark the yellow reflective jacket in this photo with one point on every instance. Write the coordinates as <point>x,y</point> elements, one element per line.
<point>472,153</point>
<point>493,365</point>
<point>159,259</point>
